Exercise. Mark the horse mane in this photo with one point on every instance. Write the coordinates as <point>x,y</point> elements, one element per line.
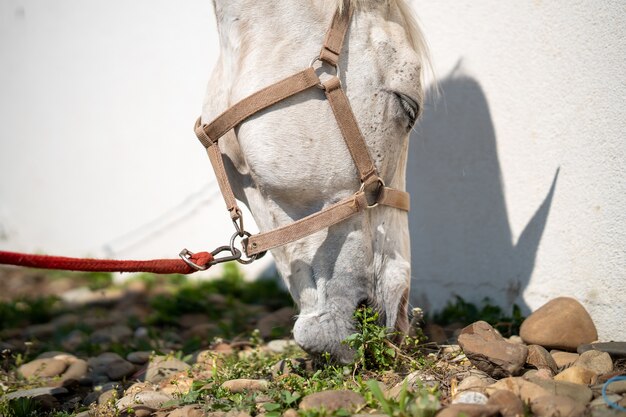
<point>413,29</point>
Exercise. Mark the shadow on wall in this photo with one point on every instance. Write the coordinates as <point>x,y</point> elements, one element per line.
<point>461,241</point>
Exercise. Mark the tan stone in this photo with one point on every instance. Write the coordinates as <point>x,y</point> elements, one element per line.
<point>507,402</point>
<point>475,383</point>
<point>562,323</point>
<point>538,357</point>
<point>564,359</point>
<point>577,375</point>
<point>526,390</point>
<point>556,406</point>
<point>595,361</point>
<point>43,368</point>
<point>333,400</point>
<point>468,410</point>
<point>192,410</point>
<point>241,385</point>
<point>489,352</point>
<point>577,392</point>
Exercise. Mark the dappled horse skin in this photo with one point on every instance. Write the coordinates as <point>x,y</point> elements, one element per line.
<point>323,182</point>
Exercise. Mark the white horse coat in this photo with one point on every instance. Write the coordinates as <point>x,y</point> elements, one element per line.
<point>290,160</point>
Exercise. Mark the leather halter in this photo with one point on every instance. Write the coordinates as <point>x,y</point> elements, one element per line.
<point>209,134</point>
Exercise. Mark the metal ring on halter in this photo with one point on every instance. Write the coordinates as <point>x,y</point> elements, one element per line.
<point>381,185</point>
<point>336,67</point>
<point>232,247</point>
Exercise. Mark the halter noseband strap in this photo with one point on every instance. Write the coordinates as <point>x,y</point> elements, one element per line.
<point>209,134</point>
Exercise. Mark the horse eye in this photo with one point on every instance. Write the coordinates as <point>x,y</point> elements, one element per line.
<point>410,107</point>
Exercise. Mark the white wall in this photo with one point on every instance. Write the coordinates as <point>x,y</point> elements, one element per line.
<point>529,89</point>
<point>97,149</point>
<point>97,100</point>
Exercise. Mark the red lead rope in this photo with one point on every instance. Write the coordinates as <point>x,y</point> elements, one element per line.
<point>156,266</point>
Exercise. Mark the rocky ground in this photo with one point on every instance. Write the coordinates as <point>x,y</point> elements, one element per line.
<point>169,347</point>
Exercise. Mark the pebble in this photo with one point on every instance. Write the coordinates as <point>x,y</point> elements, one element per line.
<point>333,400</point>
<point>40,331</point>
<point>192,410</point>
<point>43,368</point>
<point>475,383</point>
<point>76,370</point>
<point>279,346</point>
<point>435,333</point>
<point>119,369</point>
<point>192,319</point>
<point>507,402</point>
<point>578,392</point>
<point>595,361</point>
<point>564,359</point>
<point>138,358</point>
<point>242,385</point>
<point>490,352</point>
<point>600,402</point>
<point>36,392</point>
<point>202,331</point>
<point>114,334</point>
<point>149,399</point>
<point>470,397</point>
<point>538,357</point>
<point>161,367</point>
<point>615,349</point>
<point>109,365</point>
<point>279,319</point>
<point>577,375</point>
<point>297,366</point>
<point>561,323</point>
<point>556,406</point>
<point>617,387</point>
<point>469,410</point>
<point>523,389</point>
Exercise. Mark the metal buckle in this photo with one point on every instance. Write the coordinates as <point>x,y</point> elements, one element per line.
<point>186,256</point>
<point>381,185</point>
<point>336,67</point>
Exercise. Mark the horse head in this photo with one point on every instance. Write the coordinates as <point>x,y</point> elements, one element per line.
<point>289,161</point>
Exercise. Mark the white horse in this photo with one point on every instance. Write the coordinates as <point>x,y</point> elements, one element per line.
<point>290,160</point>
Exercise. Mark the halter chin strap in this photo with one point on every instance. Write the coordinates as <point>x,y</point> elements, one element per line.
<point>373,190</point>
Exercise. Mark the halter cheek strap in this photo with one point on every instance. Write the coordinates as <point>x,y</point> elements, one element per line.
<point>371,183</point>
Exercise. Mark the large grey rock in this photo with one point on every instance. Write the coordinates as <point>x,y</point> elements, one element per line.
<point>333,400</point>
<point>490,352</point>
<point>562,323</point>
